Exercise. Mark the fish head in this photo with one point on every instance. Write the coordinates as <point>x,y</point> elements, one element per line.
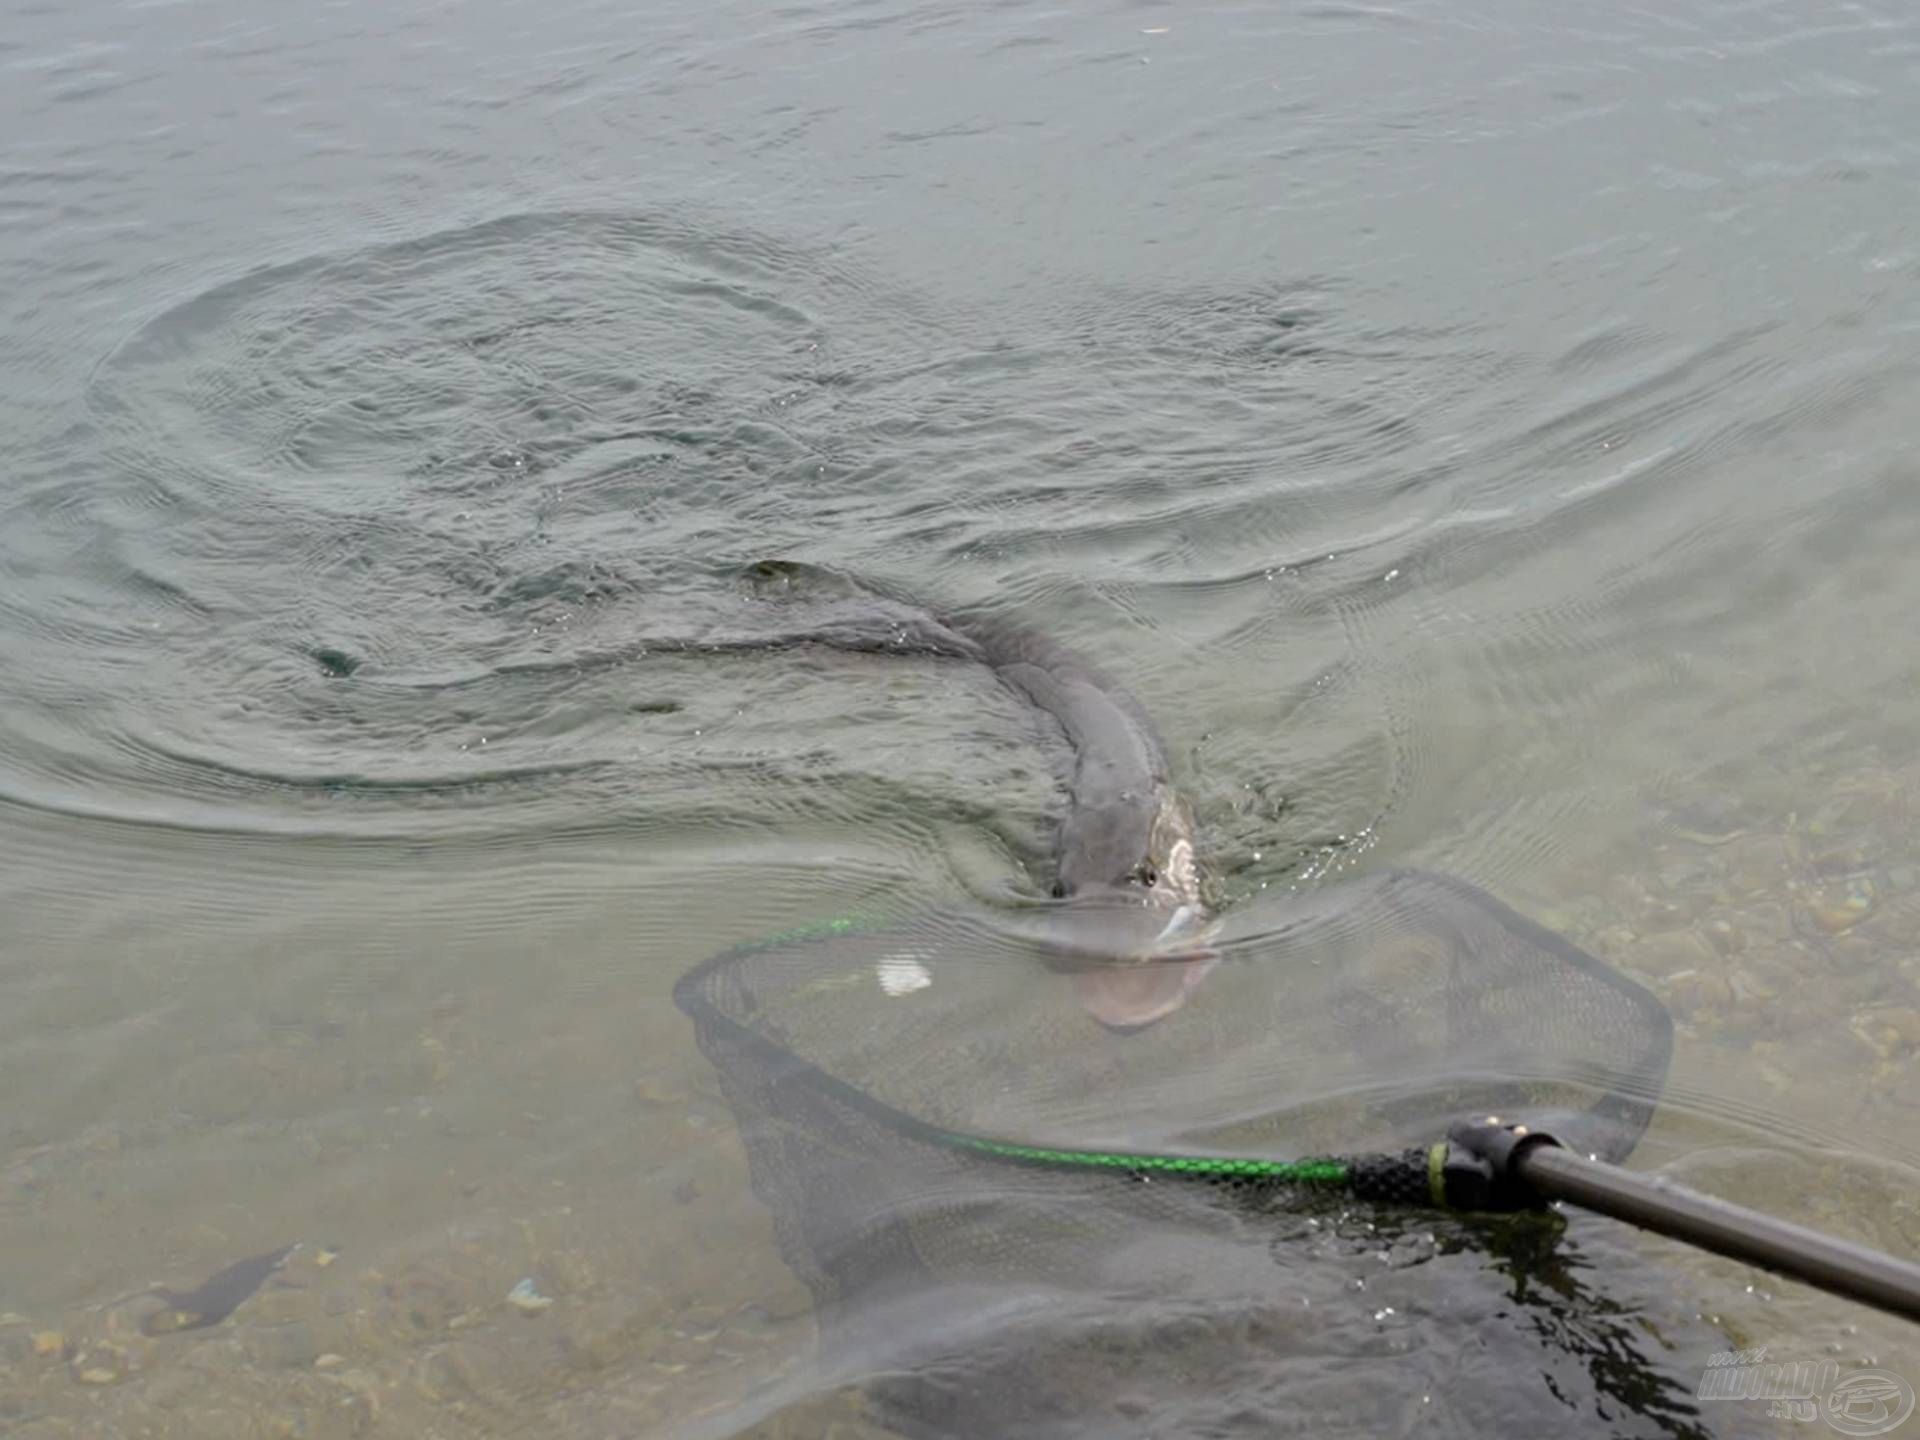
<point>1131,928</point>
<point>1129,853</point>
<point>1130,959</point>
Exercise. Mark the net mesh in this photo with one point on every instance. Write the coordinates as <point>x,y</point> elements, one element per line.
<point>865,1065</point>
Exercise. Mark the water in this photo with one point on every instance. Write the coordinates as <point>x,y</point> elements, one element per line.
<point>1480,434</point>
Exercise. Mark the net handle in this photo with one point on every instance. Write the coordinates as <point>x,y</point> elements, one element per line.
<point>1509,1166</point>
<point>1488,1167</point>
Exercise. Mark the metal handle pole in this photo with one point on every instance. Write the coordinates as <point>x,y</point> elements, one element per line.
<point>1837,1266</point>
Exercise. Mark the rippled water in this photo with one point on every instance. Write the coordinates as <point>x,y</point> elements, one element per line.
<point>1480,435</point>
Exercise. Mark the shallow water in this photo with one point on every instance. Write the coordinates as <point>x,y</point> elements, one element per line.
<point>1481,436</point>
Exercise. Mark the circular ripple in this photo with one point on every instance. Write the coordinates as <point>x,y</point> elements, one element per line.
<point>388,541</point>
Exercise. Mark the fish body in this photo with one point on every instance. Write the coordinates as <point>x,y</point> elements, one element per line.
<point>217,1297</point>
<point>1127,876</point>
<point>1131,923</point>
<point>1128,835</point>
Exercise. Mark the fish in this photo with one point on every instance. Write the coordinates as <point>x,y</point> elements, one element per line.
<point>217,1297</point>
<point>1129,922</point>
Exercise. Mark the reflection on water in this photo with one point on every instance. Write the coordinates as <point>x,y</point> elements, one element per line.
<point>1482,443</point>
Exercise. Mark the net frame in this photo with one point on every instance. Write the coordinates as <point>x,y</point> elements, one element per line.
<point>1622,1109</point>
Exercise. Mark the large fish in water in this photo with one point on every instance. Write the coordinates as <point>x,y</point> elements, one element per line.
<point>1131,926</point>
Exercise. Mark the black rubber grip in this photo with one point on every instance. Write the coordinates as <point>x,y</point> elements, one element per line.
<point>1391,1179</point>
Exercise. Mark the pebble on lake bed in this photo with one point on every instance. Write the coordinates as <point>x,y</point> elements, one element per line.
<point>902,975</point>
<point>1889,1032</point>
<point>526,1298</point>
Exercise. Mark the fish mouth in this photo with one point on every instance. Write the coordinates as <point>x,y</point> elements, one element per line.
<point>1129,964</point>
<point>1095,932</point>
<point>1128,998</point>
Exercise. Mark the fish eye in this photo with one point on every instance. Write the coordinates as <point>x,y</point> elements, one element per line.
<point>1148,876</point>
<point>1059,891</point>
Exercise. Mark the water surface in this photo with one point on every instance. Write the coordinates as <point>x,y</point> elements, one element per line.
<point>1480,434</point>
